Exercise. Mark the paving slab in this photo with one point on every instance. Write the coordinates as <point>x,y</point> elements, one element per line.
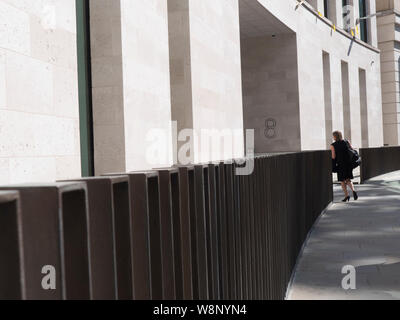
<point>364,234</point>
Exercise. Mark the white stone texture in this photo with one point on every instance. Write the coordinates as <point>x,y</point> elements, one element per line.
<point>388,37</point>
<point>39,110</point>
<point>216,72</point>
<point>107,83</point>
<point>146,78</point>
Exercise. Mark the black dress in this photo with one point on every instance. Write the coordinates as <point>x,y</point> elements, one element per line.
<point>344,167</point>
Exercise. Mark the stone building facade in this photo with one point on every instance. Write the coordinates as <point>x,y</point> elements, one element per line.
<point>39,108</point>
<point>101,86</point>
<point>389,44</point>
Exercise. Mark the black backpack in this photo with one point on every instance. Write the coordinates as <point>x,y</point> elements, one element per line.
<point>354,157</point>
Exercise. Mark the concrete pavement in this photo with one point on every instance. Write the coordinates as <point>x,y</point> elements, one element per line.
<point>364,234</point>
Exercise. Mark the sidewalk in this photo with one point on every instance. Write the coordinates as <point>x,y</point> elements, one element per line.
<point>364,234</point>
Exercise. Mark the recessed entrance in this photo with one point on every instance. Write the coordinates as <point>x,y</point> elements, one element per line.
<point>270,79</point>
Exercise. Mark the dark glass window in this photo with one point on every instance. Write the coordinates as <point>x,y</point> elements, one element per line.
<point>326,8</point>
<point>363,23</point>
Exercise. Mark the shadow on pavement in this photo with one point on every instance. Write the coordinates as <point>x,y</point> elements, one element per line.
<point>364,234</point>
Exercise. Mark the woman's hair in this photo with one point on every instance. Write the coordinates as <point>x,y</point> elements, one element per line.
<point>338,136</point>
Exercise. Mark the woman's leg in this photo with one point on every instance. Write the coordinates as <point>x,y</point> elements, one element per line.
<point>344,187</point>
<point>350,184</point>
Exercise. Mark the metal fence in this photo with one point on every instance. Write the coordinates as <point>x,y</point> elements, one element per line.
<point>198,232</point>
<point>378,161</point>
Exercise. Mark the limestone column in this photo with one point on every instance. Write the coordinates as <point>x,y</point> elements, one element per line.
<point>390,62</point>
<point>317,4</point>
<point>107,82</point>
<point>131,85</point>
<point>181,69</point>
<point>372,24</point>
<point>206,82</point>
<point>336,14</point>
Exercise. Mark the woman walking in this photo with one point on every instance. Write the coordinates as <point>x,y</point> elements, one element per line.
<point>343,165</point>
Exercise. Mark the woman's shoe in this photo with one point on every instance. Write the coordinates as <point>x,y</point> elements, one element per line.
<point>355,195</point>
<point>347,199</point>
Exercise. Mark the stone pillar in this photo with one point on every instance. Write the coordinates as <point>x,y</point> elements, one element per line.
<point>356,8</point>
<point>107,86</point>
<point>206,82</point>
<point>336,14</point>
<point>317,4</point>
<point>181,68</point>
<point>387,5</point>
<point>131,85</point>
<point>372,25</point>
<point>147,91</point>
<point>390,62</point>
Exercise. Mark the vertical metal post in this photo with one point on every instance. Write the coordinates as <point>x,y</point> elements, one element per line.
<point>85,87</point>
<point>12,286</point>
